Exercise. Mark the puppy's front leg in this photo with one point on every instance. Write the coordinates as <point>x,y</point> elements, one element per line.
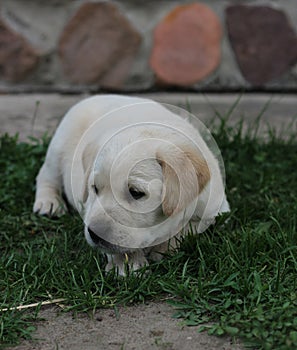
<point>48,200</point>
<point>124,263</point>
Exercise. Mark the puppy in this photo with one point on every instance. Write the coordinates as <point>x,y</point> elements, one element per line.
<point>136,172</point>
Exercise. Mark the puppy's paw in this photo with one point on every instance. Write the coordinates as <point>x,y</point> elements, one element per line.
<point>124,264</point>
<point>50,206</point>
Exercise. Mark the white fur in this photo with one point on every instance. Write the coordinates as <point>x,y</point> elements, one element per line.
<point>114,142</point>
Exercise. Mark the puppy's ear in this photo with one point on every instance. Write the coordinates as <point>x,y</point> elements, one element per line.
<point>88,159</point>
<point>185,174</point>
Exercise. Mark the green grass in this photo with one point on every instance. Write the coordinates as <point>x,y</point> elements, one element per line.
<point>240,274</point>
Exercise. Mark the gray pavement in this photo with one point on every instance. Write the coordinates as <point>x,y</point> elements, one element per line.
<point>35,114</point>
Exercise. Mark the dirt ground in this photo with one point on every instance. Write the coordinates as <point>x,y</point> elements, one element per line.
<point>141,327</point>
<point>144,327</point>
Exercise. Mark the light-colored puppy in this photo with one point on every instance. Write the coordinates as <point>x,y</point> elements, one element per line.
<point>135,171</point>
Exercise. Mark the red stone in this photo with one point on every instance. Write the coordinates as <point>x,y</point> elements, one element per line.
<point>263,40</point>
<point>17,57</point>
<point>186,45</point>
<point>98,45</point>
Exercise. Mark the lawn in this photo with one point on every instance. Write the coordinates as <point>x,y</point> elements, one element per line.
<point>240,274</point>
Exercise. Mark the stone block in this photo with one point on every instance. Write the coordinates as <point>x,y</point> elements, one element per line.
<point>264,42</point>
<point>98,45</point>
<point>17,57</point>
<point>186,45</point>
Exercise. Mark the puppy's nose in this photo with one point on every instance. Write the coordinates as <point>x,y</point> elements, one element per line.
<point>96,239</point>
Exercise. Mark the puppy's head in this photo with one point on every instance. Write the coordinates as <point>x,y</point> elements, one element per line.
<point>136,198</point>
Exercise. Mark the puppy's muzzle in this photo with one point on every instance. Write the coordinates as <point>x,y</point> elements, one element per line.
<point>96,239</point>
<point>102,243</point>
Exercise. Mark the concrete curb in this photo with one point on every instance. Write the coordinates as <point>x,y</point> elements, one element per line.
<point>35,114</point>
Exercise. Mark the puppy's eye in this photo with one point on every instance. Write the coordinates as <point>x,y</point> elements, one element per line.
<point>135,193</point>
<point>95,189</point>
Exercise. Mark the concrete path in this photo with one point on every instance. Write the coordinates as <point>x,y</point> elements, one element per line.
<point>33,115</point>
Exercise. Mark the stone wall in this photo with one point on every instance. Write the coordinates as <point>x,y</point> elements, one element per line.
<point>216,45</point>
